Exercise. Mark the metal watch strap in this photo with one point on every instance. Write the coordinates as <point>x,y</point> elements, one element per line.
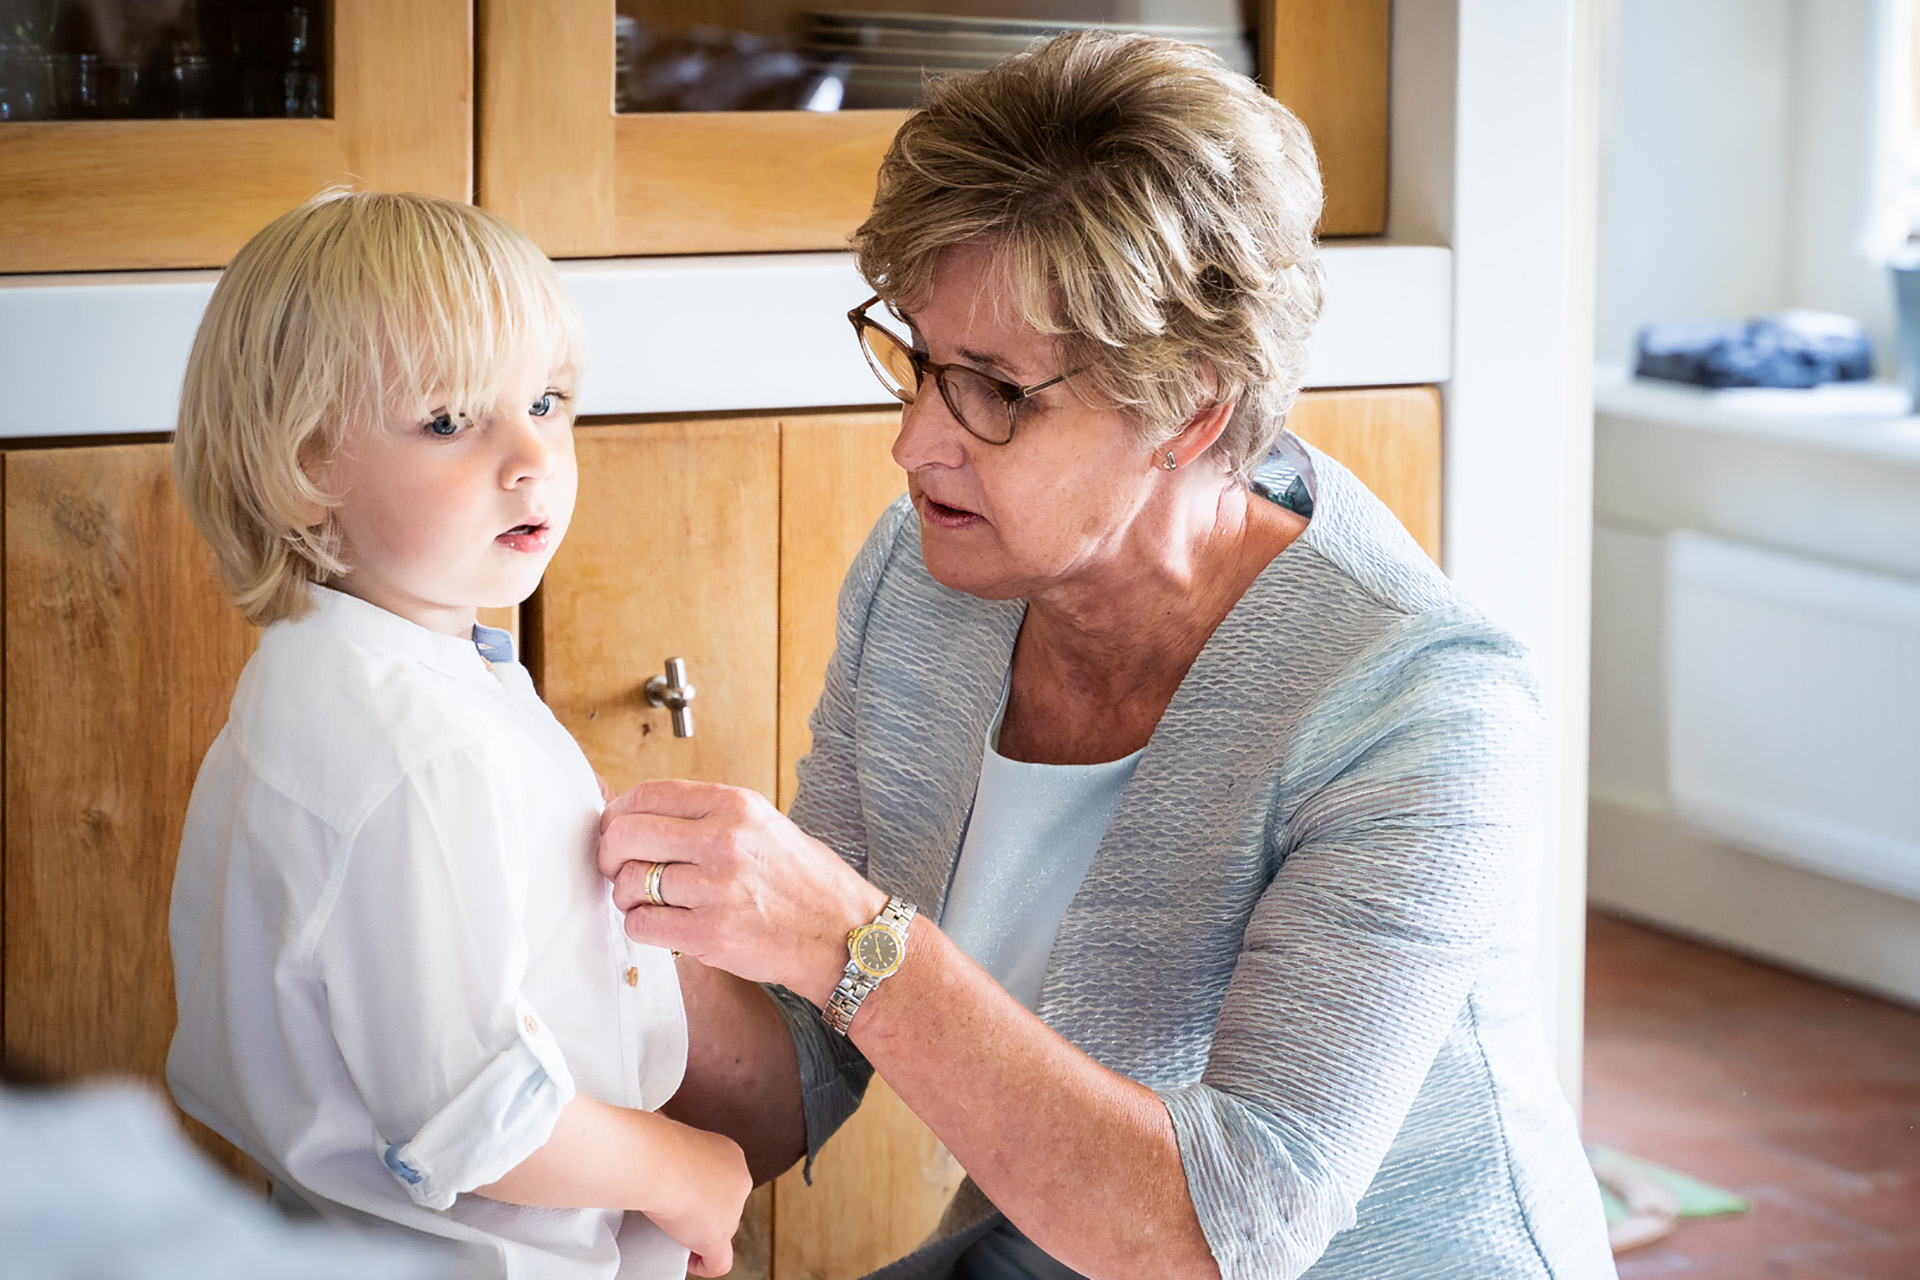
<point>856,984</point>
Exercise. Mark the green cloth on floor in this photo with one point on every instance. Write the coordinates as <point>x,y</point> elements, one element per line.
<point>1696,1198</point>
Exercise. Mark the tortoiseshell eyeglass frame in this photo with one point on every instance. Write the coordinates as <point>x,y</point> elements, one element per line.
<point>869,331</point>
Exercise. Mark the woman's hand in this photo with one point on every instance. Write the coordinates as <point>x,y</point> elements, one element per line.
<point>745,889</point>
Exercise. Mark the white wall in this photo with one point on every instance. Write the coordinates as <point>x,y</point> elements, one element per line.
<point>1493,122</point>
<point>1519,432</point>
<point>1736,158</point>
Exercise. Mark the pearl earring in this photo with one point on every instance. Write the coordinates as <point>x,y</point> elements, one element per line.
<point>1169,464</point>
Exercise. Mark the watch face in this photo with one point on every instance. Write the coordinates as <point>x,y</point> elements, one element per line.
<point>877,951</point>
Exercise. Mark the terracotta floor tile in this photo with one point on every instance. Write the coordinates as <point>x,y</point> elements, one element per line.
<point>1896,1260</point>
<point>1770,1228</point>
<point>1801,1096</point>
<point>1745,1268</point>
<point>1652,1260</point>
<point>1891,1207</point>
<point>1869,1146</point>
<point>1740,1164</point>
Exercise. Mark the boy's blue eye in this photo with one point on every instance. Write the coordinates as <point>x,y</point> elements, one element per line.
<point>442,424</point>
<point>545,404</point>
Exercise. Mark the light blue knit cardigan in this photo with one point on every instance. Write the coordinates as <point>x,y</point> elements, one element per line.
<point>1309,927</point>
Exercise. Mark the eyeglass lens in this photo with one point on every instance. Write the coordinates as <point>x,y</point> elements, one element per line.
<point>971,396</point>
<point>892,362</point>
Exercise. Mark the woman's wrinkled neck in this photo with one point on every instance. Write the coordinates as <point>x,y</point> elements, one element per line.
<point>1165,582</point>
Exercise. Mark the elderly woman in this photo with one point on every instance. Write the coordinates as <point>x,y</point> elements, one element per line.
<point>1165,839</point>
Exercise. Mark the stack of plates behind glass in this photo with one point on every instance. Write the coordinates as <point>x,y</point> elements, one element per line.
<point>883,58</point>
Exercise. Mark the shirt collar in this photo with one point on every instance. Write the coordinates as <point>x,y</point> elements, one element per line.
<point>376,627</point>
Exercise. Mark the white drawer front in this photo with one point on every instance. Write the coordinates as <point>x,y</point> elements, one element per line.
<point>1793,708</point>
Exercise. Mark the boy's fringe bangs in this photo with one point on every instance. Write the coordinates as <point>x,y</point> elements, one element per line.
<point>446,304</point>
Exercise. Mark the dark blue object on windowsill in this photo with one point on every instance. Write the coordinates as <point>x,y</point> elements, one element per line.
<point>1786,349</point>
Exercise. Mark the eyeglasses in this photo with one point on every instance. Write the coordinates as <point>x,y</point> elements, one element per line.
<point>986,406</point>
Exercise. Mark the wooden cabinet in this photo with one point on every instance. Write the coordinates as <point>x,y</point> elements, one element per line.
<point>1390,438</point>
<point>585,181</point>
<point>675,551</point>
<point>423,93</point>
<point>90,195</point>
<point>120,657</point>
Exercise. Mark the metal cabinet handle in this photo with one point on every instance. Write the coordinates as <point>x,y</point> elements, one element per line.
<point>674,693</point>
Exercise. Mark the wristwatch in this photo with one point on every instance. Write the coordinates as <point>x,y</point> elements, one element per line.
<point>875,952</point>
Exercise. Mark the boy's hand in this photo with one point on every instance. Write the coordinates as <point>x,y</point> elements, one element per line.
<point>691,1183</point>
<point>714,1179</point>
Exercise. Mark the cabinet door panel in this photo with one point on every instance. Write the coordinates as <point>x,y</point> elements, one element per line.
<point>121,656</point>
<point>107,195</point>
<point>674,552</point>
<point>1329,61</point>
<point>1390,438</point>
<point>837,475</point>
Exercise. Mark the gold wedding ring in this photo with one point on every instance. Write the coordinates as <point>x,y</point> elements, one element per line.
<point>653,885</point>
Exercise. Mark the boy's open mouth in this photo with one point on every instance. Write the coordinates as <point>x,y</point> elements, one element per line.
<point>531,536</point>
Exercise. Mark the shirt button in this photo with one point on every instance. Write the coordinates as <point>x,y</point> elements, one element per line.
<point>633,976</point>
<point>532,1025</point>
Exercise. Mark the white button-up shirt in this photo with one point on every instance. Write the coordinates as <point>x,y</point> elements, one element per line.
<point>394,955</point>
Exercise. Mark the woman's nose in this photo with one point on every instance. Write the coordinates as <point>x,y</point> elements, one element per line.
<point>929,435</point>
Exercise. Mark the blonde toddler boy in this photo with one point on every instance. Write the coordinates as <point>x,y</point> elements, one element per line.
<point>403,987</point>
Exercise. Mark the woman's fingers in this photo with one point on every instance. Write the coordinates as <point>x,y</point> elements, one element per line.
<point>685,885</point>
<point>677,798</point>
<point>672,928</point>
<point>630,884</point>
<point>650,837</point>
<point>747,890</point>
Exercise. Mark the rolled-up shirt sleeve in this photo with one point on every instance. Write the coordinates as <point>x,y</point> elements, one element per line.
<point>422,954</point>
<point>1413,823</point>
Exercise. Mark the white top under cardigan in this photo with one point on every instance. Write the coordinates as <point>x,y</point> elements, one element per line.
<point>1029,842</point>
<point>1030,838</point>
<point>394,955</point>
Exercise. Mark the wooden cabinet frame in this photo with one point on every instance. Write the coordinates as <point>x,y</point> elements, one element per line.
<point>556,160</point>
<point>119,194</point>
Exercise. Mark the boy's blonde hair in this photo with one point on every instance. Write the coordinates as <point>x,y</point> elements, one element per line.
<point>354,306</point>
<point>1143,202</point>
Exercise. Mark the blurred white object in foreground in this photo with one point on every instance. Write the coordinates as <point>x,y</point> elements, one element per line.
<point>99,1182</point>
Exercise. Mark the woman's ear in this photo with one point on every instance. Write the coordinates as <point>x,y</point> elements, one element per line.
<point>1198,435</point>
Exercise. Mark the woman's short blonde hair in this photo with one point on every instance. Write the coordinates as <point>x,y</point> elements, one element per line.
<point>1143,202</point>
<point>354,306</point>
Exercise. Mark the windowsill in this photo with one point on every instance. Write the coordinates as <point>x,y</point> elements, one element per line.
<point>1866,419</point>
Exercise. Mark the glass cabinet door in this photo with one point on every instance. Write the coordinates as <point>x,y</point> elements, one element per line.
<point>698,126</point>
<point>162,133</point>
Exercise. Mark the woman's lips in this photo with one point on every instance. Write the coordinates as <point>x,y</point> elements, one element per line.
<point>942,516</point>
<point>526,537</point>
